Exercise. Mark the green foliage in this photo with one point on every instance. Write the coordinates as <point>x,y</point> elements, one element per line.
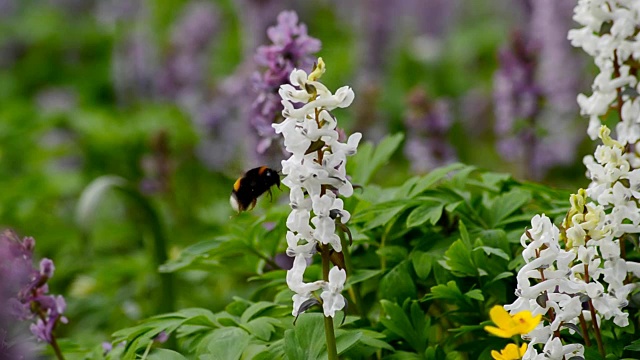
<point>430,256</point>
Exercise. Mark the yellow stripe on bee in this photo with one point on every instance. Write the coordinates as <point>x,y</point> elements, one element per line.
<point>236,185</point>
<point>262,170</point>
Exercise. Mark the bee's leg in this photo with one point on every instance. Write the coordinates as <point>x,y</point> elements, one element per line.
<point>270,195</point>
<point>253,204</point>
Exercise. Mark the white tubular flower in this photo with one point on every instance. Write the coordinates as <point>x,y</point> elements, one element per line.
<point>332,299</point>
<point>295,247</point>
<point>316,174</point>
<point>582,266</point>
<point>296,283</point>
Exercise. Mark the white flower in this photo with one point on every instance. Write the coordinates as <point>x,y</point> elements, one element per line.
<point>315,173</point>
<point>325,226</point>
<point>332,299</point>
<point>295,277</point>
<point>306,249</point>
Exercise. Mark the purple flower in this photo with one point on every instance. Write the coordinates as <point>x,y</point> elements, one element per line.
<point>47,268</point>
<point>106,347</point>
<point>182,77</point>
<point>196,27</point>
<point>516,94</point>
<point>292,48</point>
<point>25,289</point>
<point>534,90</point>
<point>162,337</point>
<point>16,270</point>
<point>428,122</point>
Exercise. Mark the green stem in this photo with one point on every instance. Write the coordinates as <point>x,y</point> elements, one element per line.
<point>146,351</point>
<point>354,291</point>
<point>330,336</point>
<point>56,348</point>
<point>167,299</point>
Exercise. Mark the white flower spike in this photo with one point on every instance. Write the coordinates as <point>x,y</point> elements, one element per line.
<point>316,175</point>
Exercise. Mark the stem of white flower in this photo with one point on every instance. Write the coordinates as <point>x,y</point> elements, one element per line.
<point>594,321</point>
<point>585,330</point>
<point>353,290</point>
<point>332,351</point>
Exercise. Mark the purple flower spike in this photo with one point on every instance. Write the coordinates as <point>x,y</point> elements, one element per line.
<point>25,289</point>
<point>428,122</point>
<point>534,91</point>
<point>292,48</point>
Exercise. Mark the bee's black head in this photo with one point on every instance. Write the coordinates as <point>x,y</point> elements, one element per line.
<point>272,177</point>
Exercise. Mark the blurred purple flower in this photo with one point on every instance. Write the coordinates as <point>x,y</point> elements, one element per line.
<point>428,123</point>
<point>183,76</point>
<point>162,337</point>
<point>516,93</point>
<point>25,289</point>
<point>534,90</point>
<point>106,347</point>
<point>133,68</point>
<point>292,48</point>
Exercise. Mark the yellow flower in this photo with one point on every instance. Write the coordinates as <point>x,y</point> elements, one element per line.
<point>508,326</point>
<point>510,352</point>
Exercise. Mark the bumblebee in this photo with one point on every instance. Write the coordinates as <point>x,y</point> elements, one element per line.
<point>251,185</point>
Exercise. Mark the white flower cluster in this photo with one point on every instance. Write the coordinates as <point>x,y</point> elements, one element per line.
<point>555,291</point>
<point>315,173</point>
<point>575,274</point>
<point>609,33</point>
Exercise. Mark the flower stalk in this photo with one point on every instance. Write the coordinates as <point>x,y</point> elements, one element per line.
<point>316,175</point>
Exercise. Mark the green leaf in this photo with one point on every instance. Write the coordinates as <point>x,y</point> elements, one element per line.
<point>306,340</point>
<point>433,177</point>
<point>262,327</point>
<point>506,204</point>
<point>422,262</point>
<point>255,309</point>
<point>464,235</point>
<point>165,354</point>
<point>494,180</point>
<point>367,161</point>
<point>451,292</point>
<point>493,251</point>
<point>361,275</point>
<point>226,343</point>
<point>634,346</point>
<point>397,284</point>
<point>372,338</point>
<point>192,253</point>
<point>502,275</point>
<point>458,259</point>
<point>475,294</point>
<point>382,217</point>
<point>418,320</point>
<point>399,323</point>
<point>424,213</point>
<point>345,340</point>
<point>403,355</point>
<point>392,253</point>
